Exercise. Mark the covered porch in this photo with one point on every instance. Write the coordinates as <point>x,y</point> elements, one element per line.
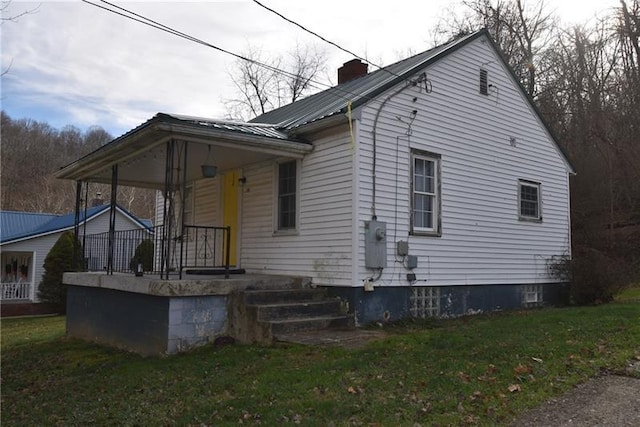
<point>170,154</point>
<point>172,286</point>
<point>18,282</point>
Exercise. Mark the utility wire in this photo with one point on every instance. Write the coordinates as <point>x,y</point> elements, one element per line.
<point>323,38</point>
<point>314,33</point>
<point>154,24</point>
<point>159,26</point>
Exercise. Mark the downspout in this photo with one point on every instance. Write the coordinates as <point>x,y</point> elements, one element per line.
<point>410,84</point>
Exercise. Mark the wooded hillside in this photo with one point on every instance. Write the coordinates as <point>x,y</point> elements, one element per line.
<point>32,151</point>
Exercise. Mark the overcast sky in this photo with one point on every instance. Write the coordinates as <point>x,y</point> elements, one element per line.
<point>70,63</point>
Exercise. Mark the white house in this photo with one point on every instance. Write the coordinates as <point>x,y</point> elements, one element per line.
<point>26,239</point>
<point>429,187</point>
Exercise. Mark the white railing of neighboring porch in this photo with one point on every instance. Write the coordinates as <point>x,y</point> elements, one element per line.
<point>15,291</point>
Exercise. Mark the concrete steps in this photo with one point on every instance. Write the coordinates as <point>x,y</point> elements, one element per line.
<point>264,315</point>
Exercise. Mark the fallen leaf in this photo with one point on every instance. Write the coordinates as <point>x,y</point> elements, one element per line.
<point>352,390</point>
<point>522,369</point>
<point>491,369</point>
<point>463,377</point>
<point>536,359</point>
<point>514,387</point>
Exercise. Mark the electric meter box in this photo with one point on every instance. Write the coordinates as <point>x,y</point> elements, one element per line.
<point>375,244</point>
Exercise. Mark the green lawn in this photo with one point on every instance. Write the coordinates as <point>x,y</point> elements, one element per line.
<point>474,370</point>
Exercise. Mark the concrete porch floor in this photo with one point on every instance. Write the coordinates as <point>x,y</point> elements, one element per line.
<point>189,285</point>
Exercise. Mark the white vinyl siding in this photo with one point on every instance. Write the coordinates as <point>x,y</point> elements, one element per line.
<point>322,246</point>
<point>482,239</point>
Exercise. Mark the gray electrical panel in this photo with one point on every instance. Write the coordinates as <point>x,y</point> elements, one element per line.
<point>403,247</point>
<point>375,244</point>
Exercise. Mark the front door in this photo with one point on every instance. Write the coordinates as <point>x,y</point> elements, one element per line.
<point>230,217</point>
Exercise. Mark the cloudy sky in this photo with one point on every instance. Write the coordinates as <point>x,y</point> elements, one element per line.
<point>71,63</point>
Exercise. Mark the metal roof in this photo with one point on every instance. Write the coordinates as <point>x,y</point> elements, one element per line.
<point>22,225</point>
<point>14,223</point>
<point>357,91</point>
<point>257,129</point>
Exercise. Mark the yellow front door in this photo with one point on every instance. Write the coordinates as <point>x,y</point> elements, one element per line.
<point>230,218</point>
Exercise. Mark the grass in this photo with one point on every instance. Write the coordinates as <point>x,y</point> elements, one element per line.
<point>475,370</point>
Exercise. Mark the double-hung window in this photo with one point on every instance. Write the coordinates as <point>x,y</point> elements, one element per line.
<point>425,188</point>
<point>287,195</point>
<point>529,200</point>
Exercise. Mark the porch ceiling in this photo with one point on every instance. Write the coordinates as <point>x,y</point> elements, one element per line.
<point>141,153</point>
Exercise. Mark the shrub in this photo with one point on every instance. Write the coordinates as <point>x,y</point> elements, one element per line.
<point>595,277</point>
<point>59,260</point>
<point>143,254</point>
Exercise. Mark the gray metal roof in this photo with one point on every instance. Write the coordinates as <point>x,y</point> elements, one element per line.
<point>258,129</point>
<point>360,90</point>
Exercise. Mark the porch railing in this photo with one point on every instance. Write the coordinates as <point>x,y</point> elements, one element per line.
<point>15,291</point>
<point>151,251</point>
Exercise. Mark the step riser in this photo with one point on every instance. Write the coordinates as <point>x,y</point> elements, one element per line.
<point>288,296</point>
<point>311,309</point>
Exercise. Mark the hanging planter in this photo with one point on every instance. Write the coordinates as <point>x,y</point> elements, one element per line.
<point>208,170</point>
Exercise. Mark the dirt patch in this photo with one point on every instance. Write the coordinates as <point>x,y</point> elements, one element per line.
<point>348,338</point>
<point>609,400</point>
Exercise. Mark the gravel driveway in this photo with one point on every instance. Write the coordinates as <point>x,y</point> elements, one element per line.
<point>609,400</point>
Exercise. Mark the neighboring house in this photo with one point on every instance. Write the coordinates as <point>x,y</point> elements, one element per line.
<point>26,238</point>
<point>429,187</point>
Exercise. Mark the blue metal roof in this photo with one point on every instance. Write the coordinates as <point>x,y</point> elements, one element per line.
<point>21,225</point>
<point>17,223</point>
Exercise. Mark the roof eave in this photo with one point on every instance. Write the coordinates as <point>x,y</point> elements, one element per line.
<point>159,130</point>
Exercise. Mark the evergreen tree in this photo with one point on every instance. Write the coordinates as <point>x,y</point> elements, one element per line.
<point>59,260</point>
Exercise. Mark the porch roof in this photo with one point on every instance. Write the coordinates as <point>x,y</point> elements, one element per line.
<point>140,153</point>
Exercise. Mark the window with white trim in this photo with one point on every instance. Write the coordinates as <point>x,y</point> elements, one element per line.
<point>529,200</point>
<point>287,195</point>
<point>425,197</point>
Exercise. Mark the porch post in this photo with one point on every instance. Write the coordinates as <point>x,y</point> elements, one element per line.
<point>76,223</point>
<point>84,228</point>
<point>167,214</point>
<point>112,218</point>
<point>183,207</point>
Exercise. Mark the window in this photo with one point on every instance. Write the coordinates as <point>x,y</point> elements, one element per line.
<point>425,203</point>
<point>287,195</point>
<point>529,197</point>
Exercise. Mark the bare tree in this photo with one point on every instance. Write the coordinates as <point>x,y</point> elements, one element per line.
<point>5,16</point>
<point>523,30</point>
<point>32,151</point>
<point>284,79</point>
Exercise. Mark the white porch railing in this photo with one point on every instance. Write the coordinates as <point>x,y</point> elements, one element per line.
<point>15,291</point>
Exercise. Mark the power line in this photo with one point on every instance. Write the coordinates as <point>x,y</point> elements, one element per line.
<point>315,34</point>
<point>162,27</point>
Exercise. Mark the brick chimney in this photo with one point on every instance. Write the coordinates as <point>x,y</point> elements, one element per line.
<point>351,70</point>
